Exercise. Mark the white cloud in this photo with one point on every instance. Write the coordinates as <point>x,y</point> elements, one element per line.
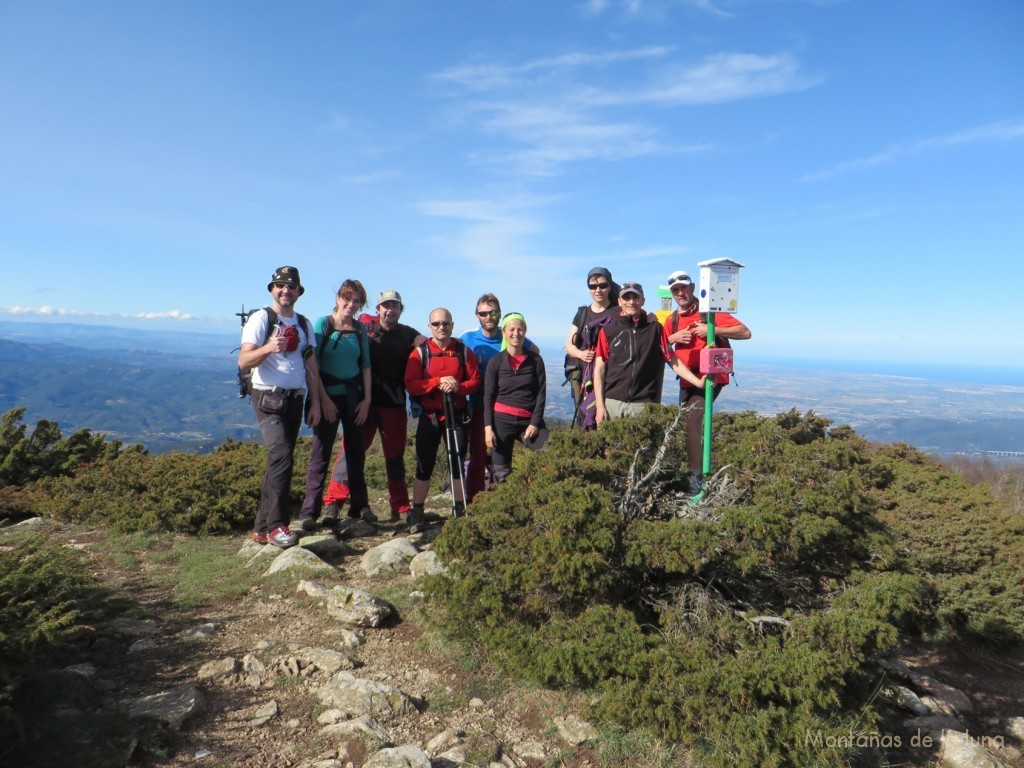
<point>582,106</point>
<point>481,77</point>
<point>48,311</point>
<point>1004,130</point>
<point>720,78</point>
<point>374,177</point>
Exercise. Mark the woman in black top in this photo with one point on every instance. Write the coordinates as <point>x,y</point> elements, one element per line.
<point>514,396</point>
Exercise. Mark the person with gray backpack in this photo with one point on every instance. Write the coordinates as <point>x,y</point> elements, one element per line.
<point>277,348</point>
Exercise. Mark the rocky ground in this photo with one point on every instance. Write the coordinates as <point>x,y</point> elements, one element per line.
<point>327,662</point>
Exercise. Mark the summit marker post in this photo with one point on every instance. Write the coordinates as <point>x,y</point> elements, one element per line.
<point>719,289</point>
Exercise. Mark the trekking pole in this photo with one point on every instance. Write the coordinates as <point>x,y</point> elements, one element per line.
<point>451,434</point>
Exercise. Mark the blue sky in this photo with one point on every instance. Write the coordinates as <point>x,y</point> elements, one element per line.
<point>863,158</point>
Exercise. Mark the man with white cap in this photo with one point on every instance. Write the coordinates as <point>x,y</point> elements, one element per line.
<point>686,333</point>
<point>630,357</point>
<point>391,342</point>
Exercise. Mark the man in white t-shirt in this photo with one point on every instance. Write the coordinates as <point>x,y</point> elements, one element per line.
<point>278,347</point>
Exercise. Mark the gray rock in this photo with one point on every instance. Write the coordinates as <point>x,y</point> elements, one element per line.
<point>142,645</point>
<point>172,707</point>
<point>408,756</point>
<point>390,557</point>
<point>128,627</point>
<point>954,697</point>
<point>314,589</point>
<point>32,522</point>
<point>325,547</point>
<point>903,697</point>
<point>252,665</point>
<point>426,564</point>
<point>82,670</point>
<point>325,660</point>
<point>574,731</point>
<point>531,750</point>
<point>1015,727</point>
<point>961,750</point>
<point>349,640</point>
<point>201,632</point>
<point>220,668</point>
<point>332,716</point>
<point>297,558</point>
<point>364,728</point>
<point>264,714</point>
<point>353,606</point>
<point>444,741</point>
<point>353,528</point>
<point>365,697</point>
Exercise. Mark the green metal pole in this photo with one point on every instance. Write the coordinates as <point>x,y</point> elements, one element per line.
<point>709,404</point>
<point>709,400</point>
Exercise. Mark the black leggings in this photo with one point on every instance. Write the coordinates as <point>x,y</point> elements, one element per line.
<point>430,432</point>
<point>507,429</point>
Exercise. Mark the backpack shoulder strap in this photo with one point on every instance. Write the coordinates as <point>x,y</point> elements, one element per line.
<point>271,322</point>
<point>674,318</point>
<point>328,331</point>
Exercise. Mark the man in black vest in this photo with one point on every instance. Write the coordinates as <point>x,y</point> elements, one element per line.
<point>630,359</point>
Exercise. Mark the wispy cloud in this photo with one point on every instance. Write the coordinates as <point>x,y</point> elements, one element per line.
<point>47,311</point>
<point>1004,130</point>
<point>374,177</point>
<point>483,77</point>
<point>720,78</point>
<point>492,236</point>
<point>583,105</point>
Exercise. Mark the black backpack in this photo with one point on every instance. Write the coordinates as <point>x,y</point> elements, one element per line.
<point>245,374</point>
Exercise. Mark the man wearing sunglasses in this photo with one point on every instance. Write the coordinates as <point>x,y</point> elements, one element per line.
<point>686,333</point>
<point>283,366</point>
<point>441,366</point>
<point>486,344</point>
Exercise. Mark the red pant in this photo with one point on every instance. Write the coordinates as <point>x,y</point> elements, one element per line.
<point>475,476</point>
<point>393,424</point>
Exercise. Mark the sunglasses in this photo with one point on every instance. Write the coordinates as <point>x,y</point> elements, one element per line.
<point>441,324</point>
<point>488,313</point>
<point>684,281</point>
<point>282,286</point>
<point>598,286</point>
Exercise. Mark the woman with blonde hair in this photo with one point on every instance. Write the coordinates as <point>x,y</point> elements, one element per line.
<point>515,386</point>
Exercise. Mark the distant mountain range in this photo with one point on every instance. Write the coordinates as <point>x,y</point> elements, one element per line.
<point>177,391</point>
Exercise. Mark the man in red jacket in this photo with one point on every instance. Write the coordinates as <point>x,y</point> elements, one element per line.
<point>686,334</point>
<point>441,366</point>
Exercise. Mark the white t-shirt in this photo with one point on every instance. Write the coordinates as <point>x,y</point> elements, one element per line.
<point>282,369</point>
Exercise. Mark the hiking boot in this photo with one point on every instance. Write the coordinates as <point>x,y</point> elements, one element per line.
<point>696,483</point>
<point>308,524</point>
<point>282,537</point>
<point>367,516</point>
<point>459,510</point>
<point>416,520</point>
<point>329,519</point>
<point>396,514</point>
<point>260,537</point>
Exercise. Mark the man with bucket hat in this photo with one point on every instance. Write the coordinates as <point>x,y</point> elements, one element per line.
<point>277,345</point>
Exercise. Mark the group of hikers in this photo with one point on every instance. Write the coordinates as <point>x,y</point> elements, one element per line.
<point>479,393</point>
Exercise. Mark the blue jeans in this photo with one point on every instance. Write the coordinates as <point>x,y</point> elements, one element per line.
<point>280,418</point>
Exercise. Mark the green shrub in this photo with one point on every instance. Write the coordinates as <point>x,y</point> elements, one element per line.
<point>38,588</point>
<point>199,493</point>
<point>745,630</point>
